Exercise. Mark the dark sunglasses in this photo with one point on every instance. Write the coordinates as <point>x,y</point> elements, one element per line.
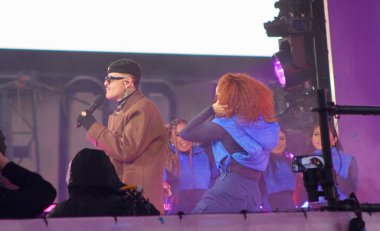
<point>109,78</point>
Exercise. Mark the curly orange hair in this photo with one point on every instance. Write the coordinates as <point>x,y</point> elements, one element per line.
<point>247,97</point>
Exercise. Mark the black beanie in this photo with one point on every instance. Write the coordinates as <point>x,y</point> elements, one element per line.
<point>127,66</point>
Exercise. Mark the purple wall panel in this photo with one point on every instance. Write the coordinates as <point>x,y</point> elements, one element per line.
<point>355,39</point>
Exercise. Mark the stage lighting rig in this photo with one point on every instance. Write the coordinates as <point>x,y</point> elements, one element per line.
<point>294,17</point>
<point>293,63</point>
<point>290,64</point>
<point>294,72</point>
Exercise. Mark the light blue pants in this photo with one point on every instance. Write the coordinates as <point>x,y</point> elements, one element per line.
<point>230,194</point>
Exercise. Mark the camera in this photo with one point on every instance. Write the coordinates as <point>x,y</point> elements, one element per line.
<point>304,163</point>
<point>315,174</point>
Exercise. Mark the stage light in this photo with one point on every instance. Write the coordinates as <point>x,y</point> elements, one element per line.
<point>289,64</point>
<point>281,60</point>
<point>279,71</point>
<point>292,64</point>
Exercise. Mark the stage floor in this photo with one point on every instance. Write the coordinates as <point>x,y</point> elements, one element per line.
<point>310,220</point>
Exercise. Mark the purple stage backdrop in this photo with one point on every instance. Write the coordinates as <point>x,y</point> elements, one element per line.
<point>355,39</point>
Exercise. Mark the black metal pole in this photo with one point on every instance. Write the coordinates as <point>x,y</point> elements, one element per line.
<point>356,110</point>
<point>327,174</point>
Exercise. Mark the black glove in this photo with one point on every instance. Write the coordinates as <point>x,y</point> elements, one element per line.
<point>85,119</point>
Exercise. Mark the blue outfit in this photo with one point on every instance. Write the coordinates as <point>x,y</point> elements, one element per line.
<point>279,180</point>
<point>256,140</point>
<point>241,152</point>
<point>198,177</point>
<point>193,180</point>
<point>279,176</point>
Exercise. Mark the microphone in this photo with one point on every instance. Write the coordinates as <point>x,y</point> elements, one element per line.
<point>99,99</point>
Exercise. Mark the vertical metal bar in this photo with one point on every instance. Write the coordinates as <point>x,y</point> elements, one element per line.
<point>327,174</point>
<point>35,131</point>
<point>7,123</point>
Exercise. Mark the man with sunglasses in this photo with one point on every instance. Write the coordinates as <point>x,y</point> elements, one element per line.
<point>136,138</point>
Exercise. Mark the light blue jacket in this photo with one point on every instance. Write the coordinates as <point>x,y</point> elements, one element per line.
<point>256,138</point>
<point>199,174</point>
<point>278,175</point>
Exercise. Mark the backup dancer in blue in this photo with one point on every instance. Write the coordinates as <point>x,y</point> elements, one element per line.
<point>188,170</point>
<point>279,178</point>
<point>243,131</point>
<point>345,166</point>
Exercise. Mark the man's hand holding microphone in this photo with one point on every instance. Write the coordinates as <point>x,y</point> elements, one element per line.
<point>85,118</point>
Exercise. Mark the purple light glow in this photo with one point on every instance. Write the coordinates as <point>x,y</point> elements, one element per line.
<point>50,208</point>
<point>279,71</point>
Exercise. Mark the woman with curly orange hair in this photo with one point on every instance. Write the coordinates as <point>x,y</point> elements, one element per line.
<point>243,131</point>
